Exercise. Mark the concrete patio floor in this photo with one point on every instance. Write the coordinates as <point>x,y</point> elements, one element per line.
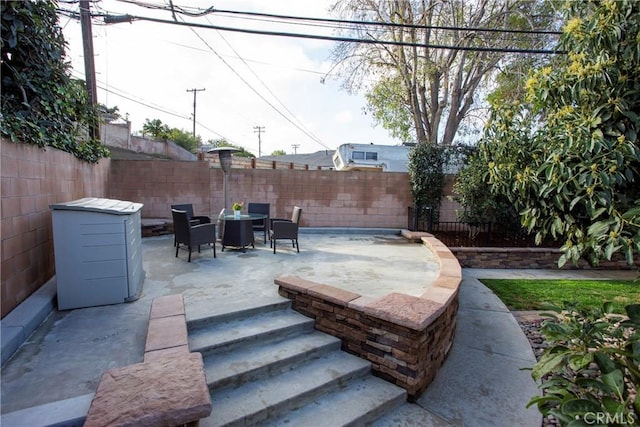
<point>66,355</point>
<point>482,383</point>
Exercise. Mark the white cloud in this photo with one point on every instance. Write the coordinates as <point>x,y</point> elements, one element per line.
<point>157,63</point>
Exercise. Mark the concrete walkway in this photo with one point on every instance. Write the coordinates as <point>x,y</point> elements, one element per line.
<point>53,375</point>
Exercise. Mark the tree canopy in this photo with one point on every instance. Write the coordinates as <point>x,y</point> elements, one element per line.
<point>418,90</point>
<point>162,131</point>
<point>224,143</point>
<point>567,155</point>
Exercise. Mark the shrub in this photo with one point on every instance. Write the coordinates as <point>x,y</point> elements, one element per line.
<point>590,372</point>
<point>41,104</point>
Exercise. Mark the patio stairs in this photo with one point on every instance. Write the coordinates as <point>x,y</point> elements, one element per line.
<point>267,366</point>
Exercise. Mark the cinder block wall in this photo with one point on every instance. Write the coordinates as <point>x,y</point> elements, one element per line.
<point>160,183</point>
<point>32,179</point>
<point>328,198</point>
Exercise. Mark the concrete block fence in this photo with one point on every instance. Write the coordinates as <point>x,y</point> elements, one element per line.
<point>328,198</point>
<point>34,178</point>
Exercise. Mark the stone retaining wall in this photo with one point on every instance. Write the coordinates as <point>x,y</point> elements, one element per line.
<point>406,338</point>
<point>534,258</point>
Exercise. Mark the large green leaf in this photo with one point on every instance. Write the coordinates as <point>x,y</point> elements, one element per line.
<point>615,380</point>
<point>547,363</point>
<point>579,407</point>
<point>633,311</point>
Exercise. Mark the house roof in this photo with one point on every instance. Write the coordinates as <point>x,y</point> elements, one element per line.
<point>323,158</point>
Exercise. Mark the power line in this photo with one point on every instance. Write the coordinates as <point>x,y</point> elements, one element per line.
<point>112,90</point>
<point>162,110</point>
<point>130,18</point>
<point>349,39</point>
<point>389,24</point>
<point>301,125</point>
<point>177,9</point>
<point>256,92</point>
<point>111,19</point>
<point>173,9</point>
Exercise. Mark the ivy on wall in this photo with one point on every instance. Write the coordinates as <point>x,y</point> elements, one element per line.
<point>426,168</point>
<point>41,103</point>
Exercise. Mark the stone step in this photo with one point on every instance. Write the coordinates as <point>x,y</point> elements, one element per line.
<point>249,363</point>
<point>228,334</point>
<point>359,403</point>
<point>200,315</point>
<point>254,403</point>
<point>267,365</point>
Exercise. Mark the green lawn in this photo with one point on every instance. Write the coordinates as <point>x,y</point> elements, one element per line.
<point>520,294</point>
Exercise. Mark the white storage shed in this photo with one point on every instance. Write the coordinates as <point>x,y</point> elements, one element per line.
<point>98,252</point>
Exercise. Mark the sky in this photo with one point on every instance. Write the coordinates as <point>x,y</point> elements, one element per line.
<point>146,69</point>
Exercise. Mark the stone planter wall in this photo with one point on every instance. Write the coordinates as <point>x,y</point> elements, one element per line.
<point>406,338</point>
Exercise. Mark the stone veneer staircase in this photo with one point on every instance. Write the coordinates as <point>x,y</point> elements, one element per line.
<point>266,365</point>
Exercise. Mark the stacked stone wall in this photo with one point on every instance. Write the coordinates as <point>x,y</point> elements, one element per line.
<point>406,338</point>
<point>533,258</point>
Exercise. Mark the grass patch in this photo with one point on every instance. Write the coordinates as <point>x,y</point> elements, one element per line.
<point>531,294</point>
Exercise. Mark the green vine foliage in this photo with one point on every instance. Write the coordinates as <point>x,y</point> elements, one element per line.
<point>41,103</point>
<point>590,373</point>
<point>568,155</point>
<point>427,163</point>
<point>426,175</point>
<point>472,191</point>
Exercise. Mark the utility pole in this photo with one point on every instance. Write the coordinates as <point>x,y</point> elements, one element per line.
<point>295,148</point>
<point>195,91</point>
<point>89,62</point>
<point>259,130</point>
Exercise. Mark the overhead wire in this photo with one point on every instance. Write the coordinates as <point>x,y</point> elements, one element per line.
<point>129,18</point>
<point>256,91</point>
<point>390,24</point>
<point>334,22</point>
<point>300,124</point>
<point>307,21</point>
<point>122,94</point>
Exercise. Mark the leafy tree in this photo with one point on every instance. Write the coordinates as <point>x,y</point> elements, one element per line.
<point>184,139</point>
<point>224,143</point>
<point>108,113</point>
<point>41,103</point>
<point>279,153</point>
<point>568,156</point>
<point>161,131</point>
<point>420,92</point>
<point>471,191</point>
<point>156,129</point>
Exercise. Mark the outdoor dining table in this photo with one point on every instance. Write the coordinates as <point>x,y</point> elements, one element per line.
<point>238,230</point>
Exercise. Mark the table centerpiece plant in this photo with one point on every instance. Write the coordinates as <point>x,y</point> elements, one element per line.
<point>237,207</point>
